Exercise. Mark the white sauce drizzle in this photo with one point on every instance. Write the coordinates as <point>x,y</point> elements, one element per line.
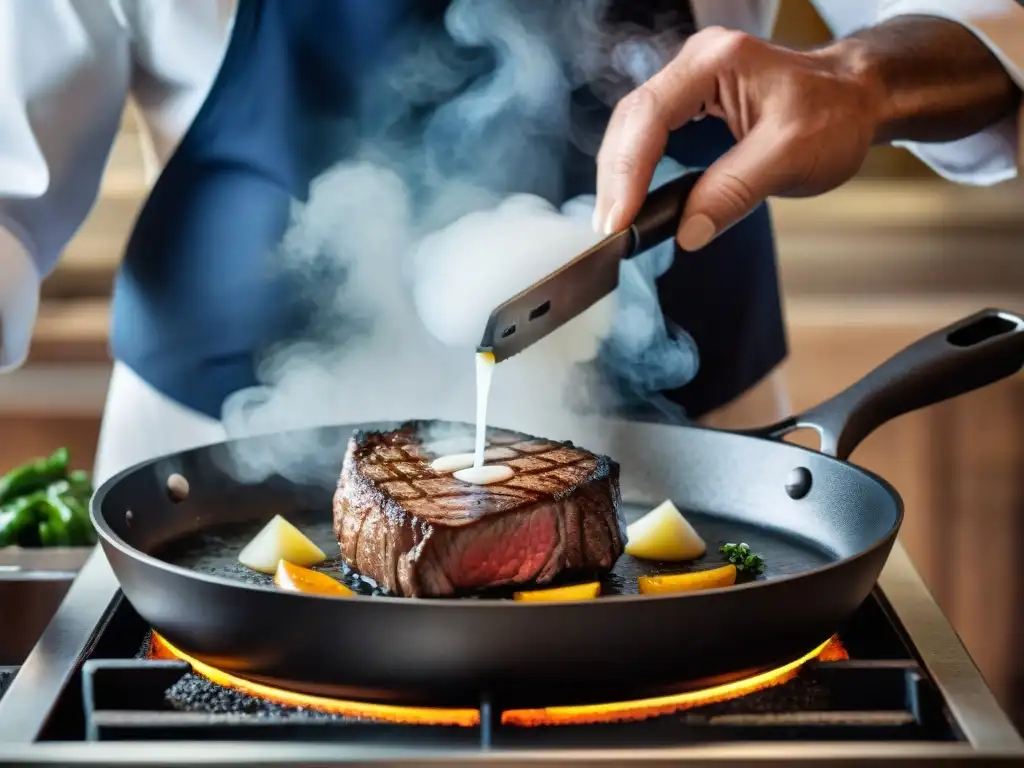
<point>485,475</point>
<point>470,467</point>
<point>484,372</point>
<point>452,462</point>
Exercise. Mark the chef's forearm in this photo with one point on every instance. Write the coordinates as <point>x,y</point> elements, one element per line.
<point>933,79</point>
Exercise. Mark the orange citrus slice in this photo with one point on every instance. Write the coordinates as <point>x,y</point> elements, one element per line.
<point>688,582</point>
<point>295,578</point>
<point>587,591</point>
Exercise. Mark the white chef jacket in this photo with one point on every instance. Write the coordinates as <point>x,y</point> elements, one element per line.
<point>68,66</point>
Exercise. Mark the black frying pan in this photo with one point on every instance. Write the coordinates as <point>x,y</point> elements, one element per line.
<point>824,526</point>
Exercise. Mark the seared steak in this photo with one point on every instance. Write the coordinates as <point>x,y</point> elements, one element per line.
<point>421,533</point>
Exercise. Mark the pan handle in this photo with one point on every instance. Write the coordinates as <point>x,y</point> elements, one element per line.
<point>967,355</point>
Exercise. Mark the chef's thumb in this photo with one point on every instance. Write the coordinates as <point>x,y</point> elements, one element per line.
<point>733,186</point>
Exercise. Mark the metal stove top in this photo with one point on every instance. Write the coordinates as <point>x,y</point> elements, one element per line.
<point>909,694</point>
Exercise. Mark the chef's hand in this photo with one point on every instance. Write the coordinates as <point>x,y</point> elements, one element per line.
<point>803,120</point>
<point>803,125</point>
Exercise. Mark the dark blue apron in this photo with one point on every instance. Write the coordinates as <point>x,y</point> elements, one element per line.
<point>198,297</point>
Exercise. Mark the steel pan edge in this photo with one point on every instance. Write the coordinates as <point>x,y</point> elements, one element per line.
<point>112,542</point>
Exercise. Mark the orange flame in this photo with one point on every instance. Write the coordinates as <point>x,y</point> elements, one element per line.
<point>639,709</point>
<point>160,648</point>
<point>642,709</point>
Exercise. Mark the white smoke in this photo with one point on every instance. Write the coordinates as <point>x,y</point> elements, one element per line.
<point>402,252</point>
<point>462,272</point>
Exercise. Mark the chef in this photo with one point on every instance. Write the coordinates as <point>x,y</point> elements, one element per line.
<point>231,96</point>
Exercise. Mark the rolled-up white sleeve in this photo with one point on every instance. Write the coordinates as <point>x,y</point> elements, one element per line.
<point>994,154</point>
<point>63,83</point>
<point>19,299</point>
<point>23,174</point>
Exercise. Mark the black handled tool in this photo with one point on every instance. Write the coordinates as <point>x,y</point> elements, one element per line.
<point>569,291</point>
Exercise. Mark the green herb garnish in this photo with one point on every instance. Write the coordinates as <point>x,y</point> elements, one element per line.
<point>744,560</point>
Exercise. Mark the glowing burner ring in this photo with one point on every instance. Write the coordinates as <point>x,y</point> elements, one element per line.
<point>587,714</point>
<point>356,709</point>
<point>642,709</point>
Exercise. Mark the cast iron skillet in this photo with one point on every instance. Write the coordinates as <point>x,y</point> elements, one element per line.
<point>824,526</point>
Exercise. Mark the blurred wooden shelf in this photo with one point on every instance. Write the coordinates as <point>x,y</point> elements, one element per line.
<point>903,204</point>
<point>868,235</point>
<point>72,332</point>
<point>814,324</point>
<point>76,331</point>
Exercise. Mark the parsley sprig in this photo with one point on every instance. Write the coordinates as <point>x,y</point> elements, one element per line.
<point>744,560</point>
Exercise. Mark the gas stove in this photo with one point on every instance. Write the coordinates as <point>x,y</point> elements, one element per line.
<point>895,686</point>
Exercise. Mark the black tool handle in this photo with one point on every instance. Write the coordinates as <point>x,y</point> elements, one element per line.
<point>662,211</point>
<point>967,355</point>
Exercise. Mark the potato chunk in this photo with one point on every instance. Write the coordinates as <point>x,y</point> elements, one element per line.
<point>663,534</point>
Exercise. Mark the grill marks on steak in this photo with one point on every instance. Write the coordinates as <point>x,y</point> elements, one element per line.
<point>422,533</point>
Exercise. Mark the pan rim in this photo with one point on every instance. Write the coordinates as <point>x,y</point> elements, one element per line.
<point>109,538</point>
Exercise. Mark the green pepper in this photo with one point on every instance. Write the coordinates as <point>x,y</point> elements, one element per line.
<point>18,520</point>
<point>89,536</point>
<point>68,518</point>
<point>80,485</point>
<point>42,503</point>
<point>34,475</point>
<point>56,527</point>
<point>46,537</point>
<point>86,531</point>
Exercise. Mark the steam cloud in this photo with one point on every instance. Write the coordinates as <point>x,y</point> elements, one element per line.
<point>401,252</point>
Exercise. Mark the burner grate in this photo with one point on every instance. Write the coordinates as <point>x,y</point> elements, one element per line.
<point>140,699</point>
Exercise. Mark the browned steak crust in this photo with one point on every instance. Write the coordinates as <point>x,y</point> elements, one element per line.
<point>422,533</point>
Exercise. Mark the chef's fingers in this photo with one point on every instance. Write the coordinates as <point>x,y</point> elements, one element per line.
<point>640,124</point>
<point>633,144</point>
<point>759,165</point>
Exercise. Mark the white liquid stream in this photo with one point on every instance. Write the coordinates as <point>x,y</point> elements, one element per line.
<point>484,372</point>
<point>470,467</point>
